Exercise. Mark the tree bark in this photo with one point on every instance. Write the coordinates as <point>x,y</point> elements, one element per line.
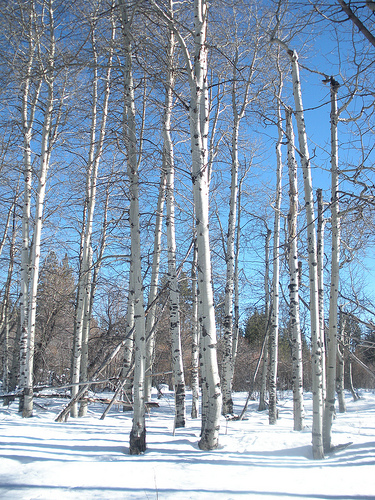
<point>329,409</point>
<point>45,153</point>
<point>274,325</point>
<point>316,341</point>
<point>174,295</point>
<point>195,339</point>
<point>28,116</point>
<point>297,377</point>
<point>153,292</point>
<point>262,392</point>
<point>137,440</point>
<point>320,249</point>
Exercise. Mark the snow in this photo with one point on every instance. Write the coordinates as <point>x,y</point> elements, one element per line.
<point>87,458</point>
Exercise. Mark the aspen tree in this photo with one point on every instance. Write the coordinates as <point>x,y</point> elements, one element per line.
<point>153,291</point>
<point>331,338</point>
<point>274,323</point>
<point>320,250</point>
<point>199,123</point>
<point>137,444</point>
<point>29,108</point>
<point>297,376</point>
<point>48,137</point>
<point>196,66</point>
<point>97,135</point>
<point>316,340</point>
<point>329,408</point>
<point>340,387</point>
<point>229,337</point>
<point>174,295</point>
<point>262,391</point>
<point>195,338</point>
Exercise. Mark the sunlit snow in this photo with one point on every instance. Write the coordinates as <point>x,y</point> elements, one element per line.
<point>87,458</point>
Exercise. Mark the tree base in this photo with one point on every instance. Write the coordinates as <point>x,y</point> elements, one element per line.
<point>27,410</point>
<point>137,442</point>
<point>208,441</point>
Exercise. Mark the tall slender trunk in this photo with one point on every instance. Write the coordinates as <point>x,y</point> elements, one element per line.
<point>137,439</point>
<point>274,325</point>
<point>196,65</point>
<point>152,306</point>
<point>329,409</point>
<point>262,392</point>
<point>45,153</point>
<point>199,121</point>
<point>316,340</point>
<point>340,386</point>
<point>195,339</point>
<point>28,116</point>
<point>320,250</point>
<point>84,306</point>
<point>174,294</point>
<point>297,377</point>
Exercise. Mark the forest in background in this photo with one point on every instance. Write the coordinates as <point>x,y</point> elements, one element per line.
<point>159,221</point>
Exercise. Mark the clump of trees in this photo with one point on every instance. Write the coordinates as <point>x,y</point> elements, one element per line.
<point>147,150</point>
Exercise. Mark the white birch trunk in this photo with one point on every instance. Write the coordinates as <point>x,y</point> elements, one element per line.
<point>297,376</point>
<point>85,276</point>
<point>151,315</point>
<point>340,387</point>
<point>174,295</point>
<point>329,409</point>
<point>230,347</point>
<point>262,392</point>
<point>236,314</point>
<point>85,336</point>
<point>274,323</point>
<point>129,342</point>
<point>227,371</point>
<point>137,440</point>
<point>195,339</point>
<point>199,124</point>
<point>45,153</point>
<point>320,250</point>
<point>316,341</point>
<point>28,115</point>
<point>199,121</point>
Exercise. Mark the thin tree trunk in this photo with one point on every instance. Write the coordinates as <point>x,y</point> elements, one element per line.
<point>28,116</point>
<point>320,249</point>
<point>329,409</point>
<point>152,306</point>
<point>199,113</point>
<point>297,377</point>
<point>274,326</point>
<point>230,347</point>
<point>316,340</point>
<point>195,339</point>
<point>45,153</point>
<point>137,439</point>
<point>80,350</point>
<point>262,392</point>
<point>174,295</point>
<point>352,390</point>
<point>129,342</point>
<point>340,380</point>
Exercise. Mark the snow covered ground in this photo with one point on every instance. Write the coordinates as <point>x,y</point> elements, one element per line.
<point>88,458</point>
